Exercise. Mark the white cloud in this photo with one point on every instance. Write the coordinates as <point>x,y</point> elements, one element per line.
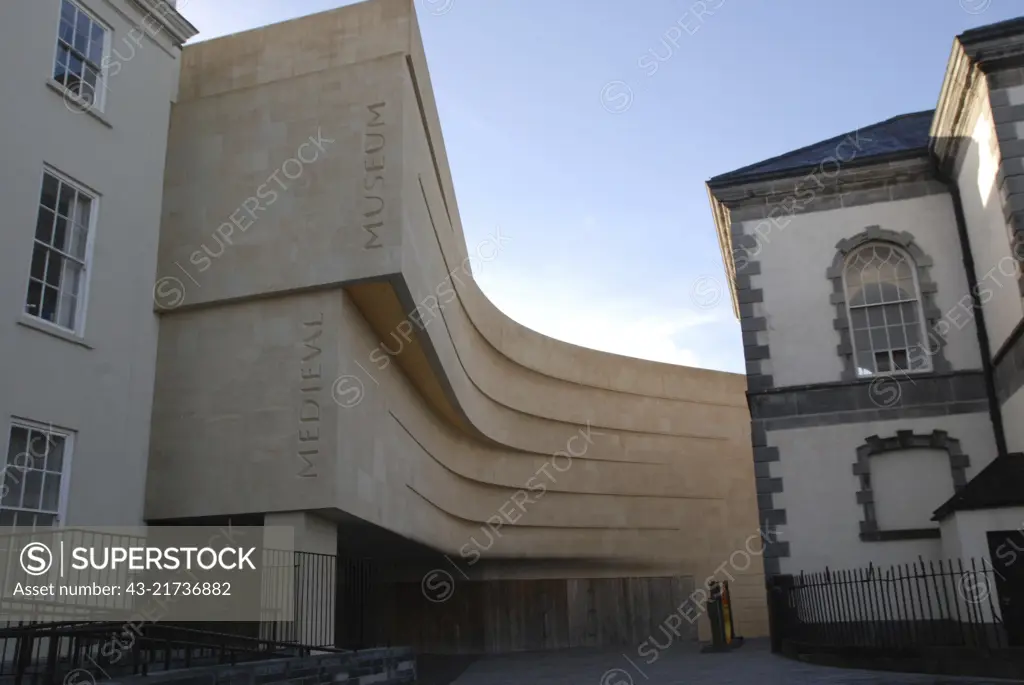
<point>627,325</point>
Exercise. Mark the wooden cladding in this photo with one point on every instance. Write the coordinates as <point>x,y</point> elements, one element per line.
<point>525,615</point>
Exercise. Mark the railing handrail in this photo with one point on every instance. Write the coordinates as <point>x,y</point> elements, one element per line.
<point>39,642</point>
<point>909,605</point>
<point>108,627</point>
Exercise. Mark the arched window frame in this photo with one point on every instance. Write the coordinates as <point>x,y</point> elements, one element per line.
<point>921,358</point>
<point>903,440</point>
<point>926,289</point>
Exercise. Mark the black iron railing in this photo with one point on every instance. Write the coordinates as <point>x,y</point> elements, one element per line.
<point>297,602</point>
<point>910,606</point>
<point>311,580</point>
<point>42,641</point>
<point>47,654</point>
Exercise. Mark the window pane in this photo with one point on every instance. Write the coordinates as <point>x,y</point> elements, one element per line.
<point>48,198</point>
<point>71,281</point>
<point>60,67</point>
<point>25,519</point>
<point>878,339</point>
<point>88,91</point>
<point>12,487</point>
<point>892,293</point>
<point>54,266</point>
<point>872,293</point>
<point>82,29</point>
<point>899,359</point>
<point>875,316</point>
<point>38,269</point>
<point>859,318</point>
<point>67,310</point>
<point>44,226</point>
<point>60,233</point>
<point>18,444</point>
<point>51,492</point>
<point>67,12</point>
<point>909,311</point>
<point>75,65</point>
<point>67,196</point>
<point>869,272</point>
<point>882,362</point>
<point>36,443</point>
<point>913,335</point>
<point>33,494</point>
<point>903,291</point>
<point>82,207</point>
<point>55,455</point>
<point>892,313</point>
<point>38,446</point>
<point>35,294</point>
<point>906,286</point>
<point>897,336</point>
<point>78,242</point>
<point>44,520</point>
<point>49,307</point>
<point>862,340</point>
<point>96,45</point>
<point>66,32</point>
<point>73,80</point>
<point>887,272</point>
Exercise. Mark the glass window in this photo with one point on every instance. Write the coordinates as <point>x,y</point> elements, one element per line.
<point>884,303</point>
<point>33,471</point>
<point>57,273</point>
<point>81,41</point>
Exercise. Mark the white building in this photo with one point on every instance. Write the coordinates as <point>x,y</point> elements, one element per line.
<point>877,279</point>
<point>83,147</point>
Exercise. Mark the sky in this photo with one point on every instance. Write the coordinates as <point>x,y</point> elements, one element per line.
<point>586,130</point>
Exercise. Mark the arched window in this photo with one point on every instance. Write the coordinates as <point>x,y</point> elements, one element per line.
<point>883,303</point>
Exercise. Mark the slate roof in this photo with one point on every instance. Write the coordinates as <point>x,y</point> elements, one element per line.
<point>1000,484</point>
<point>905,133</point>
<point>1007,27</point>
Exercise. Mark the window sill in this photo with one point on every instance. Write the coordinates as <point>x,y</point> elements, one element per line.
<point>903,534</point>
<point>895,374</point>
<point>51,330</point>
<point>75,105</point>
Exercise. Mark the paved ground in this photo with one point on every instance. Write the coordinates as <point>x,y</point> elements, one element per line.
<point>753,664</point>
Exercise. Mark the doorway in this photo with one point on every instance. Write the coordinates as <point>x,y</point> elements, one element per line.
<point>1006,549</point>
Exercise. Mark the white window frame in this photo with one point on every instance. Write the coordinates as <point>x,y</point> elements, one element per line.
<point>100,97</point>
<point>928,367</point>
<point>83,299</point>
<point>65,475</point>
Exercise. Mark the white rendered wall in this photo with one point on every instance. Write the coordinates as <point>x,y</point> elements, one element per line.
<point>795,256</point>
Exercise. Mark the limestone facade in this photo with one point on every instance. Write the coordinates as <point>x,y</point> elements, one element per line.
<point>325,350</point>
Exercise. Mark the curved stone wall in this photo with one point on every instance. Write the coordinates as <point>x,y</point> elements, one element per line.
<point>324,348</point>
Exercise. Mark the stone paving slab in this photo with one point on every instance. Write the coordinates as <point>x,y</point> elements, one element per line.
<point>753,664</point>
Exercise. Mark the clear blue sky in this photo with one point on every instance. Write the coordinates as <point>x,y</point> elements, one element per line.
<point>612,242</point>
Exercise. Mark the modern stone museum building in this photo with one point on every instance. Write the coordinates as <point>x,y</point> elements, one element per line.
<point>235,288</point>
<point>877,279</point>
<point>315,351</point>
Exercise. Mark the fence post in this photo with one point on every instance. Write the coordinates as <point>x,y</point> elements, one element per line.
<point>778,609</point>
